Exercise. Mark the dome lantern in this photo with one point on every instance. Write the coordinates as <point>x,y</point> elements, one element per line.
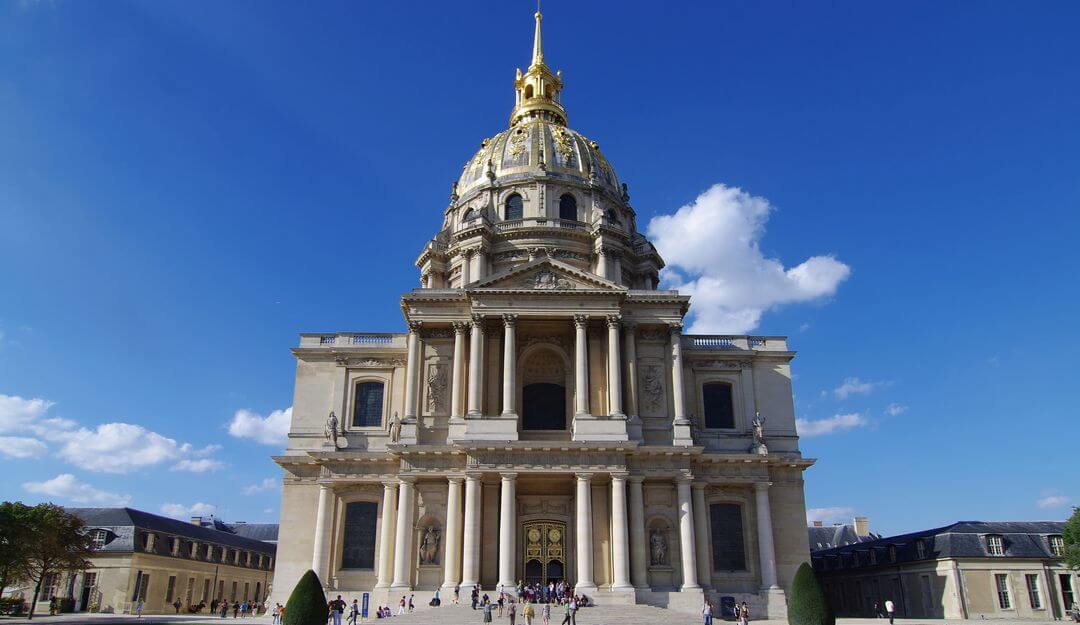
<point>537,91</point>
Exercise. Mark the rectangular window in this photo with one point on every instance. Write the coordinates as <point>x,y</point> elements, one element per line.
<point>358,549</point>
<point>206,591</point>
<point>90,580</point>
<point>728,551</point>
<point>995,545</point>
<point>920,549</point>
<point>190,592</point>
<point>258,588</point>
<point>247,585</point>
<point>170,588</point>
<point>50,586</point>
<point>232,597</point>
<point>1033,591</point>
<point>1057,546</point>
<point>220,590</point>
<point>98,537</point>
<point>368,404</point>
<point>719,406</point>
<point>1001,581</point>
<point>1065,580</point>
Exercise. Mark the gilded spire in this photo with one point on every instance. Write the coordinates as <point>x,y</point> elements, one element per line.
<point>537,90</point>
<point>538,41</point>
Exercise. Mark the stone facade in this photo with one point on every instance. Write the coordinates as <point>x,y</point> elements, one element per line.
<point>544,417</point>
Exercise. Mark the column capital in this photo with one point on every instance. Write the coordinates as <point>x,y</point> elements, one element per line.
<point>460,327</point>
<point>580,321</point>
<point>675,327</point>
<point>407,479</point>
<point>762,486</point>
<point>619,475</point>
<point>508,476</point>
<point>415,326</point>
<point>509,319</point>
<point>699,485</point>
<point>455,479</point>
<point>584,477</point>
<point>613,321</point>
<point>478,321</point>
<point>468,252</point>
<point>684,478</point>
<point>629,326</point>
<point>390,484</point>
<point>473,476</point>
<point>635,479</point>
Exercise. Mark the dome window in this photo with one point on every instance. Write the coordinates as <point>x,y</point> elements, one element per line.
<point>568,207</point>
<point>613,218</point>
<point>469,215</point>
<point>515,208</point>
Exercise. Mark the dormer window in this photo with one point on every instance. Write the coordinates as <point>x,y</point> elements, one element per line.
<point>995,545</point>
<point>892,553</point>
<point>920,549</point>
<point>854,558</point>
<point>1057,546</point>
<point>98,538</point>
<point>873,557</point>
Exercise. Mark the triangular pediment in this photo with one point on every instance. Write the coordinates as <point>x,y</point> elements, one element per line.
<point>546,274</point>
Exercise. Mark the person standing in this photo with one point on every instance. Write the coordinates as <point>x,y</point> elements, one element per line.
<point>511,610</point>
<point>138,608</point>
<point>410,603</point>
<point>224,609</point>
<point>354,612</point>
<point>475,596</point>
<point>706,613</point>
<point>438,599</point>
<point>744,614</point>
<point>457,593</point>
<point>546,611</point>
<point>401,606</point>
<point>890,609</point>
<point>529,613</point>
<point>487,612</point>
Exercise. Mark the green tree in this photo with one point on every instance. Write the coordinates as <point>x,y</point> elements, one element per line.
<point>14,533</point>
<point>307,603</point>
<point>807,604</point>
<point>1071,536</point>
<point>57,542</point>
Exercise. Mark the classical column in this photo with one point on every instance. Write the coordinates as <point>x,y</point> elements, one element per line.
<point>507,530</point>
<point>466,267</point>
<point>459,369</point>
<point>452,573</point>
<point>470,556</point>
<point>509,366</point>
<point>323,517</point>
<point>584,533</point>
<point>619,537</point>
<point>475,347</point>
<point>386,535</point>
<point>686,534</point>
<point>681,425</point>
<point>639,574</point>
<point>412,370</point>
<point>614,368</point>
<point>701,533</point>
<point>602,263</point>
<point>403,542</point>
<point>630,356</point>
<point>766,551</point>
<point>581,365</point>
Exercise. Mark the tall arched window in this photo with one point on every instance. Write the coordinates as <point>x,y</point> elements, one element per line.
<point>368,405</point>
<point>567,207</point>
<point>358,540</point>
<point>719,407</point>
<point>515,208</point>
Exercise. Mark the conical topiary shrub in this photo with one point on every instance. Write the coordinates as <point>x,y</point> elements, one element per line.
<point>307,603</point>
<point>807,604</point>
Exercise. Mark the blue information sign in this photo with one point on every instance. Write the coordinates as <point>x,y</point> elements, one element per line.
<point>364,607</point>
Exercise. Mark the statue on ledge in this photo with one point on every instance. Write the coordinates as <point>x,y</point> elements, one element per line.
<point>758,425</point>
<point>331,432</point>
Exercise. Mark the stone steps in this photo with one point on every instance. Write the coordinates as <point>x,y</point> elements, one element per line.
<point>598,615</point>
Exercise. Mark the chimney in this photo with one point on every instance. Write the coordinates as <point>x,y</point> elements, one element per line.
<point>196,520</point>
<point>862,526</point>
<point>818,524</point>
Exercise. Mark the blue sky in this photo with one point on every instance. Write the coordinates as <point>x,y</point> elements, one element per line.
<point>186,187</point>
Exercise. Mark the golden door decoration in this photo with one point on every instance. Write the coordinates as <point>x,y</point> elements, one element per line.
<point>545,551</point>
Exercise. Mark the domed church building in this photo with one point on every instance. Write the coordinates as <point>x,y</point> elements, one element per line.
<point>544,418</point>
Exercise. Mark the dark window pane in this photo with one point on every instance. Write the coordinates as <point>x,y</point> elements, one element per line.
<point>367,411</point>
<point>719,410</point>
<point>544,405</point>
<point>567,207</point>
<point>514,207</point>
<point>358,551</point>
<point>727,537</point>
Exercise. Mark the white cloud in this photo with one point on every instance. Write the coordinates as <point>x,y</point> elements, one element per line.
<point>829,516</point>
<point>181,511</point>
<point>18,414</point>
<point>712,247</point>
<point>66,487</point>
<point>273,429</point>
<point>201,465</point>
<point>116,447</point>
<point>22,447</point>
<point>835,423</point>
<point>855,386</point>
<point>1052,501</point>
<point>263,486</point>
<point>895,410</point>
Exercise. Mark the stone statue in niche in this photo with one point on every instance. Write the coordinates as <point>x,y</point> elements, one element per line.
<point>436,391</point>
<point>429,545</point>
<point>658,547</point>
<point>652,387</point>
<point>758,428</point>
<point>395,428</point>
<point>331,432</point>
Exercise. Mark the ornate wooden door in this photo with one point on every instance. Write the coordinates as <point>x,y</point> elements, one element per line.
<point>545,551</point>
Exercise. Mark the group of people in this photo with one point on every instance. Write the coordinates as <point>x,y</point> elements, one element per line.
<point>240,609</point>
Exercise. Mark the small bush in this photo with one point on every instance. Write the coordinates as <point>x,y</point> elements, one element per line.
<point>307,603</point>
<point>807,604</point>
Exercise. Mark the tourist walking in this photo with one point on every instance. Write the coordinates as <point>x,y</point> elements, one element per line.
<point>354,612</point>
<point>224,609</point>
<point>410,603</point>
<point>529,613</point>
<point>890,609</point>
<point>706,613</point>
<point>744,613</point>
<point>547,613</point>
<point>511,610</point>
<point>138,608</point>
<point>401,606</point>
<point>487,612</point>
<point>457,593</point>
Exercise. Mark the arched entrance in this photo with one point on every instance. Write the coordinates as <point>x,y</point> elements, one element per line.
<point>544,397</point>
<point>544,557</point>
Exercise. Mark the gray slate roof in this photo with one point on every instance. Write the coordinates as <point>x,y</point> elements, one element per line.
<point>124,524</point>
<point>828,536</point>
<point>963,539</point>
